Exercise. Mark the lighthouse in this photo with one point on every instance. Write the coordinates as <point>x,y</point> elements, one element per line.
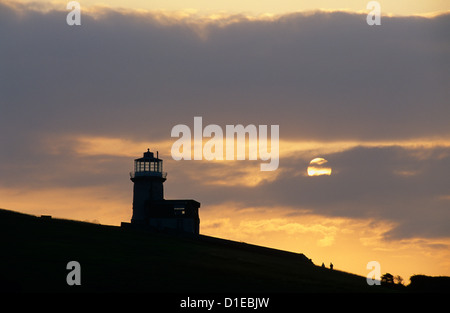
<point>148,178</point>
<point>150,209</point>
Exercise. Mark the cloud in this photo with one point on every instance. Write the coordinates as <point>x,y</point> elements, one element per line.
<point>320,76</point>
<point>365,182</point>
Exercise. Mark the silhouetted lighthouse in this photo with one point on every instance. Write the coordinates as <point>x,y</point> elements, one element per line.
<point>148,178</point>
<point>149,206</point>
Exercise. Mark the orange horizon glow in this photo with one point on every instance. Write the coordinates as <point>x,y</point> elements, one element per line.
<point>348,243</point>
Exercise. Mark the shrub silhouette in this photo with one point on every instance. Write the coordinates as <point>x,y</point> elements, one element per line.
<point>387,279</point>
<point>423,283</point>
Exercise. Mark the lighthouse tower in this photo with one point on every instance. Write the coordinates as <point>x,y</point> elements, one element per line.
<point>150,209</point>
<point>148,178</point>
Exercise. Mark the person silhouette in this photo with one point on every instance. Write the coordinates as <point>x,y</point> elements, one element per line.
<point>331,266</point>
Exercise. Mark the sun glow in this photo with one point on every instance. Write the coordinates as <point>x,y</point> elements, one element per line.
<point>317,167</point>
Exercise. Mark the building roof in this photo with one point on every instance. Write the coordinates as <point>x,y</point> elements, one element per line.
<point>149,157</point>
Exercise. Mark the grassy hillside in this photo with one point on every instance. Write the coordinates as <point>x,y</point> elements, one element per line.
<point>36,250</point>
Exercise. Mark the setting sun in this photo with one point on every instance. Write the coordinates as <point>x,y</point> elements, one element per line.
<point>318,167</point>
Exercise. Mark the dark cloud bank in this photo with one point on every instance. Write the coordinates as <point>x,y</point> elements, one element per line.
<point>320,76</point>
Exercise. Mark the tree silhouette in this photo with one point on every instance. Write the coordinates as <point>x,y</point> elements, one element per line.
<point>398,280</point>
<point>387,279</point>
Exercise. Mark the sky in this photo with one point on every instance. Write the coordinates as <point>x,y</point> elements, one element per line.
<point>368,103</point>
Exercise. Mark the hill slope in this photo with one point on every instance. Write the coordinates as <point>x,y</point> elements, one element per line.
<point>36,251</point>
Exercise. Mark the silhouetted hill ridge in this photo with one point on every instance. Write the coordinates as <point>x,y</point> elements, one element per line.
<point>117,259</point>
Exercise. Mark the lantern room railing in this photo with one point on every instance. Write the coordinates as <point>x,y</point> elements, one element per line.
<point>147,173</point>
